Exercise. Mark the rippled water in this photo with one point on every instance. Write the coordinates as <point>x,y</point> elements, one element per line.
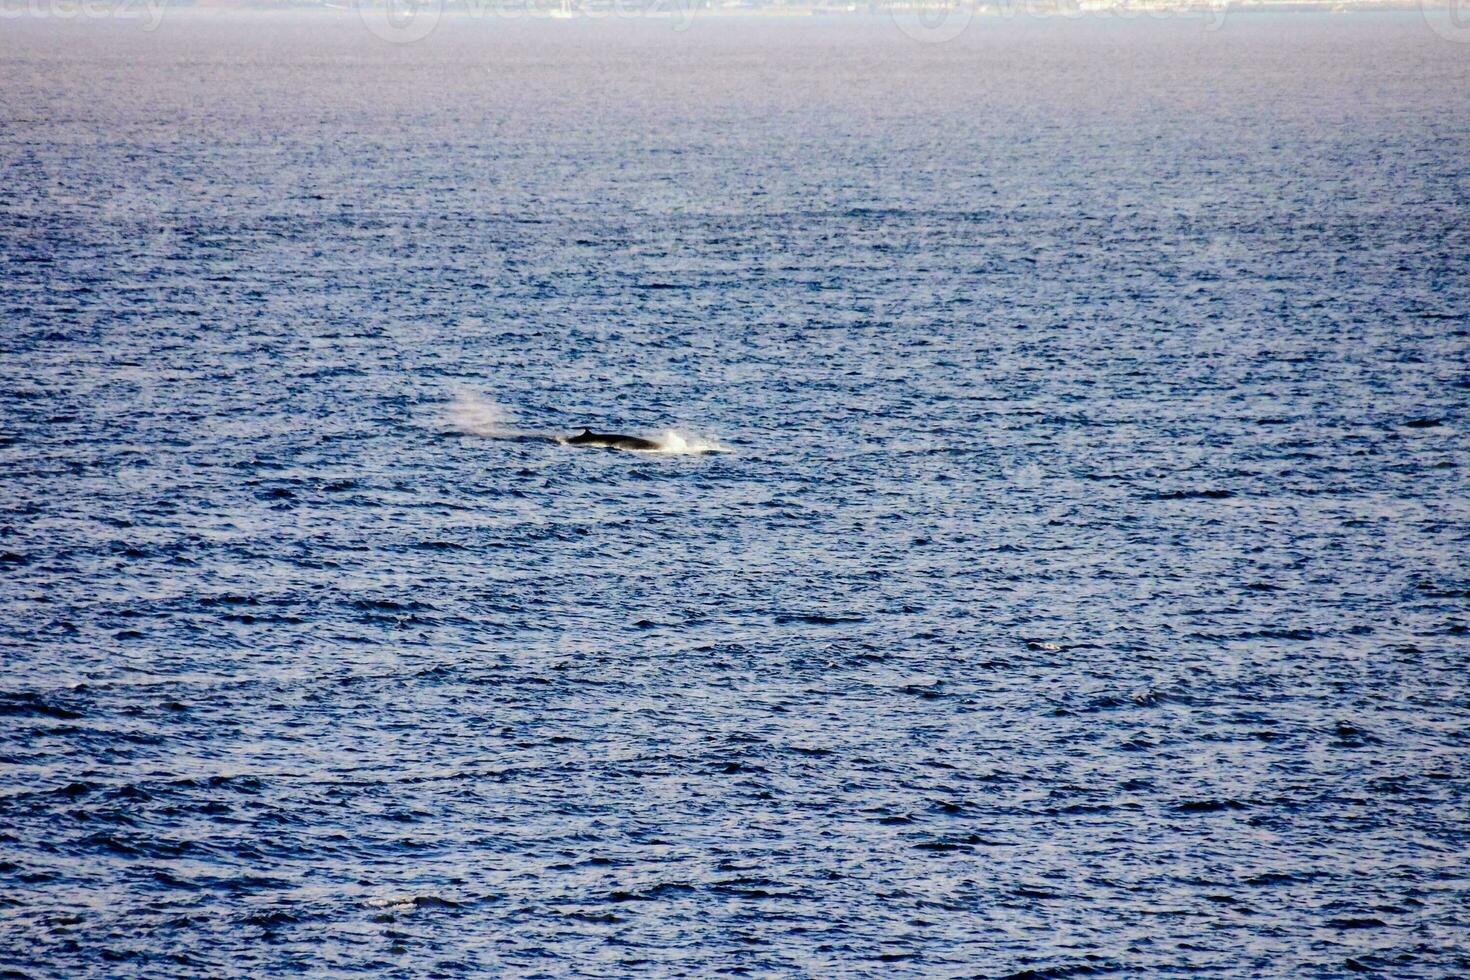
<point>1084,590</point>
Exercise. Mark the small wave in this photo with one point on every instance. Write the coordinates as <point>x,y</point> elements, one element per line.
<point>410,903</point>
<point>1193,495</point>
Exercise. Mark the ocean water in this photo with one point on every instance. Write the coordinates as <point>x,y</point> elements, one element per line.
<point>1080,588</point>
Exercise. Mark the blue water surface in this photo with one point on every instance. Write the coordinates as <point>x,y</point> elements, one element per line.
<point>1083,591</point>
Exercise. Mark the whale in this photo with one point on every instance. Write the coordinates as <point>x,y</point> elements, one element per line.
<point>609,440</point>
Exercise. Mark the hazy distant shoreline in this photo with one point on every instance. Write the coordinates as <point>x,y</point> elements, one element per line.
<point>592,9</point>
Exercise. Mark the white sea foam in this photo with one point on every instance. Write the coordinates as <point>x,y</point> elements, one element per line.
<point>674,442</point>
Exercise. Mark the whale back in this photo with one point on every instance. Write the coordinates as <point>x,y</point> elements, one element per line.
<point>611,440</point>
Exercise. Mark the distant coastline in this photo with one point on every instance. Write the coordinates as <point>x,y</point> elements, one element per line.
<point>557,9</point>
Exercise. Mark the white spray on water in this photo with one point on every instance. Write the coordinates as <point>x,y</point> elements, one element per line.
<point>478,416</point>
<point>683,444</point>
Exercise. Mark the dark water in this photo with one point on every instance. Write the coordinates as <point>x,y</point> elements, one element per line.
<point>1084,593</point>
